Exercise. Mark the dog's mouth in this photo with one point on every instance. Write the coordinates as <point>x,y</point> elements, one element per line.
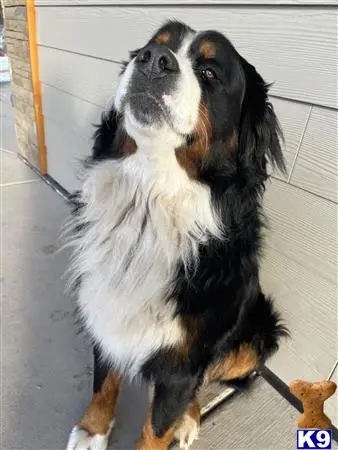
<point>149,109</point>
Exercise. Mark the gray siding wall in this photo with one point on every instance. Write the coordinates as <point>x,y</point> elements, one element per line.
<point>291,43</point>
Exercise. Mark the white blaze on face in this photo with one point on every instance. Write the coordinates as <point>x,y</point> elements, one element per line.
<point>187,96</point>
<point>123,85</point>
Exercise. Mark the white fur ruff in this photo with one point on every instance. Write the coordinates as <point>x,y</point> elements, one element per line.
<point>145,215</point>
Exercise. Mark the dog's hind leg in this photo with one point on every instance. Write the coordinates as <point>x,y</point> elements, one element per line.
<point>93,430</point>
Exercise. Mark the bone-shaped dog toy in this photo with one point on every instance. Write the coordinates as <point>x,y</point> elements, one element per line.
<point>313,396</point>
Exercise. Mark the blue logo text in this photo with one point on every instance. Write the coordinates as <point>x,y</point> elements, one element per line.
<point>314,439</point>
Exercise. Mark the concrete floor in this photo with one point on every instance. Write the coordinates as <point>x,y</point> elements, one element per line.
<point>46,366</point>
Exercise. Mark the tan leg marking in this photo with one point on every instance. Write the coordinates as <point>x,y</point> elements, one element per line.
<point>92,432</point>
<point>188,428</point>
<point>148,439</point>
<point>185,431</point>
<point>100,413</point>
<point>236,365</point>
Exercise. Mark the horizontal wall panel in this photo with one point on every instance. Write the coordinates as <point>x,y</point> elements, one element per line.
<point>304,228</point>
<point>295,48</point>
<point>72,113</point>
<point>69,126</point>
<point>72,97</point>
<point>90,79</point>
<point>316,166</point>
<point>292,117</point>
<point>307,302</point>
<point>65,153</point>
<point>208,3</point>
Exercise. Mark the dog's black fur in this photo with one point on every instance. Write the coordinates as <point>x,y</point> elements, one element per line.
<point>221,297</point>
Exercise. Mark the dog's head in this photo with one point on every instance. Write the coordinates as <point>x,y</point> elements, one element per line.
<point>192,92</point>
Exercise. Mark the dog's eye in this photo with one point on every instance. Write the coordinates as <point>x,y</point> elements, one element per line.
<point>209,74</point>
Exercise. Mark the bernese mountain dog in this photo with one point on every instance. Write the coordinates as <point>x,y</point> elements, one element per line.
<point>167,233</point>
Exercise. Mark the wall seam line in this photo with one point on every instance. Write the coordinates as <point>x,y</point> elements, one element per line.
<point>300,144</point>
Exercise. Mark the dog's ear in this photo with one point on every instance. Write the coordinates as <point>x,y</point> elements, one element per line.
<point>110,138</point>
<point>260,132</point>
<point>105,134</point>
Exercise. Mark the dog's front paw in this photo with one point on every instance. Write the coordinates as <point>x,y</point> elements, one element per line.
<point>187,432</point>
<point>80,439</point>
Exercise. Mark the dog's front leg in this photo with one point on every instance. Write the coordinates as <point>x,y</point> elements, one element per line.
<point>172,400</point>
<point>93,430</point>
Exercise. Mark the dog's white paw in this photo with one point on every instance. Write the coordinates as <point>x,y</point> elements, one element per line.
<point>81,440</point>
<point>187,432</point>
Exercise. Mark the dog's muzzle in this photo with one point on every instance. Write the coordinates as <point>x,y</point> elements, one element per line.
<point>154,79</point>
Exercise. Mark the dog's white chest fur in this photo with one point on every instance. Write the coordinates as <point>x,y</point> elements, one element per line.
<point>144,216</point>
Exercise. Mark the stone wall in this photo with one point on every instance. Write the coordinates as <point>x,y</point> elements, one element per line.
<point>16,35</point>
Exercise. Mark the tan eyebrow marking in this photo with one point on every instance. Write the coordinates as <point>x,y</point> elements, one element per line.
<point>208,50</point>
<point>163,38</point>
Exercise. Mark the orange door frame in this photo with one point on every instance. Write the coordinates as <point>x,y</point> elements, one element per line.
<point>34,61</point>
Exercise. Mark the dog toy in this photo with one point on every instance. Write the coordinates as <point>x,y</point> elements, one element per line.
<point>313,396</point>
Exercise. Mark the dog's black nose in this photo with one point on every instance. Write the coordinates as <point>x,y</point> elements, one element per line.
<point>156,61</point>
